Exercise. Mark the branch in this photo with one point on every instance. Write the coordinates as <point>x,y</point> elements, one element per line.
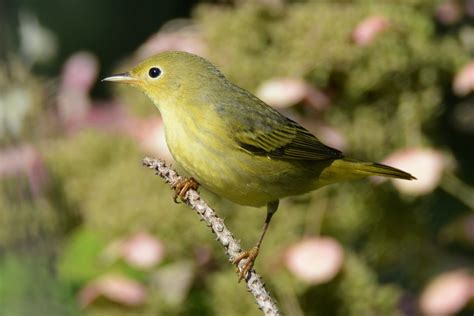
<point>232,246</point>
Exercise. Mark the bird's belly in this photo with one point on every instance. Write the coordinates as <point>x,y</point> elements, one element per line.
<point>220,173</point>
<point>237,175</point>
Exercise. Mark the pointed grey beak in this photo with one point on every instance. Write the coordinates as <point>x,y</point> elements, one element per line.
<point>122,78</point>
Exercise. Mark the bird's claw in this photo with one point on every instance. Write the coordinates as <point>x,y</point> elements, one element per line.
<point>249,256</point>
<point>182,186</point>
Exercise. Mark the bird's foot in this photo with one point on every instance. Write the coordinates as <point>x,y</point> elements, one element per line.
<point>250,256</point>
<point>182,186</point>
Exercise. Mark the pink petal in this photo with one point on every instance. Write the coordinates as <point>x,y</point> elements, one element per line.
<point>142,250</point>
<point>282,92</point>
<point>105,117</point>
<point>448,12</point>
<point>24,160</point>
<point>173,37</point>
<point>78,76</point>
<point>115,118</point>
<point>447,293</point>
<point>427,165</point>
<point>115,288</point>
<point>80,72</point>
<point>315,260</point>
<point>331,136</point>
<point>285,92</point>
<point>367,30</point>
<point>150,133</point>
<point>464,80</point>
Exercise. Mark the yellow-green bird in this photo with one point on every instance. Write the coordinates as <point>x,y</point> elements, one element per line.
<point>233,143</point>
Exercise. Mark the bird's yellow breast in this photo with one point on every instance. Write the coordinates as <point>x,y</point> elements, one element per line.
<point>204,147</point>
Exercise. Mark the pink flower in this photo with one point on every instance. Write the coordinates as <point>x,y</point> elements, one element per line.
<point>447,293</point>
<point>331,136</point>
<point>176,35</point>
<point>109,117</point>
<point>427,165</point>
<point>150,133</point>
<point>464,80</point>
<point>78,76</point>
<point>116,288</point>
<point>448,12</point>
<point>285,92</point>
<point>367,31</point>
<point>315,260</point>
<point>24,160</point>
<point>142,250</point>
<point>79,72</point>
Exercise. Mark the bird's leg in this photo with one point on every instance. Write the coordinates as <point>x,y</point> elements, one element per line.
<point>251,255</point>
<point>182,186</point>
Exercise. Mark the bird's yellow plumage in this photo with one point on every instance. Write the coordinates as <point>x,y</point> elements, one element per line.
<point>234,144</point>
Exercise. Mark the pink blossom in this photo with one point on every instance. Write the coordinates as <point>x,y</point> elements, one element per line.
<point>464,80</point>
<point>114,118</point>
<point>448,12</point>
<point>315,260</point>
<point>447,293</point>
<point>24,160</point>
<point>142,250</point>
<point>111,117</point>
<point>80,72</point>
<point>176,35</point>
<point>150,134</point>
<point>331,136</point>
<point>427,165</point>
<point>77,78</point>
<point>366,31</point>
<point>285,92</point>
<point>116,288</point>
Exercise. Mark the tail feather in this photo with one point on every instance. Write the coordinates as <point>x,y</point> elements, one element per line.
<point>350,169</point>
<point>377,169</point>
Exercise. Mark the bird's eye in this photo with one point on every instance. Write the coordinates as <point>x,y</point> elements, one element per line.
<point>154,72</point>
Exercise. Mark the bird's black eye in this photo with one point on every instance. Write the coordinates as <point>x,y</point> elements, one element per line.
<point>154,72</point>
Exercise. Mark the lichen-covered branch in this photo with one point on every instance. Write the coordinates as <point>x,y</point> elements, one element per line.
<point>232,247</point>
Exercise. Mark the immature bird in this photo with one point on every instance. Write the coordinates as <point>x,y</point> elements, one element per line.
<point>233,143</point>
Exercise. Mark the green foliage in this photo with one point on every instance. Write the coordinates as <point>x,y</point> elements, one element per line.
<point>21,218</point>
<point>29,287</point>
<point>227,297</point>
<point>80,258</point>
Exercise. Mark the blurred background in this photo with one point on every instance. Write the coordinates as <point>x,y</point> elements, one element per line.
<point>85,229</point>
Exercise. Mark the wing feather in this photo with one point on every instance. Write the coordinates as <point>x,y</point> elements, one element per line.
<point>261,130</point>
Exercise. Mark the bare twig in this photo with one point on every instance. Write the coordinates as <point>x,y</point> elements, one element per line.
<point>232,246</point>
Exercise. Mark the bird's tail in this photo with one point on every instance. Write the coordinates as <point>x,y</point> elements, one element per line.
<point>350,169</point>
<point>376,169</point>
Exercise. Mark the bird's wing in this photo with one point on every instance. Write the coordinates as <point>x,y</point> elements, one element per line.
<point>285,142</point>
<point>261,130</point>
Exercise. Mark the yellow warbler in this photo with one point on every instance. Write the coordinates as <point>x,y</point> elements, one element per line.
<point>233,143</point>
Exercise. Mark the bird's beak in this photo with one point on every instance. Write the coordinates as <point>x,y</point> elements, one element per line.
<point>124,77</point>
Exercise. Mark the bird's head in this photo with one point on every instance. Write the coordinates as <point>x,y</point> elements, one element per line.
<point>169,74</point>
